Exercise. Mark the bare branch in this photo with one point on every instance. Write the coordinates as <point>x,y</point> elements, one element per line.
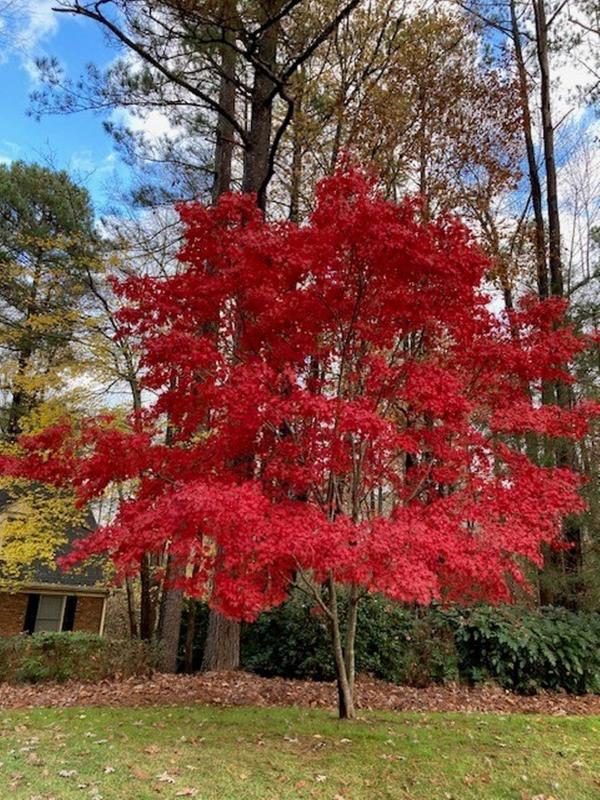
<point>313,590</point>
<point>97,16</point>
<point>317,41</point>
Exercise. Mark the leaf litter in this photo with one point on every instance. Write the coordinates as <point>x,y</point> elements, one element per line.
<point>231,689</point>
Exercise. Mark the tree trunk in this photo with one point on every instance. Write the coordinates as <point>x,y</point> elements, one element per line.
<point>222,648</point>
<point>554,260</point>
<point>225,131</point>
<point>424,156</point>
<point>571,560</point>
<point>171,599</point>
<point>343,658</point>
<point>169,630</point>
<point>257,152</point>
<point>349,650</point>
<point>131,614</point>
<point>534,175</point>
<point>296,174</point>
<point>147,610</point>
<point>190,635</point>
<point>169,623</point>
<point>21,404</point>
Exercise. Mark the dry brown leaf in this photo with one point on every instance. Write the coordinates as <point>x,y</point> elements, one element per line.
<point>165,778</point>
<point>235,689</point>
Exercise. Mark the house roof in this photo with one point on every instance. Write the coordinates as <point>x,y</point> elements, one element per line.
<point>88,575</point>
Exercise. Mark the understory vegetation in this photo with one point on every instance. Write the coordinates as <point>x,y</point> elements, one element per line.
<point>60,657</point>
<point>519,649</point>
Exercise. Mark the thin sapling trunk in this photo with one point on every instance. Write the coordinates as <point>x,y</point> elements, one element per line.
<point>343,651</point>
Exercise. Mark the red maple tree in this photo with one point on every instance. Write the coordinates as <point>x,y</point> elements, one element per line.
<point>346,414</point>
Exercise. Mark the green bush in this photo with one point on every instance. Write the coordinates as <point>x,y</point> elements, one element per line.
<point>526,651</point>
<point>59,657</point>
<point>393,643</point>
<point>291,641</point>
<point>520,649</point>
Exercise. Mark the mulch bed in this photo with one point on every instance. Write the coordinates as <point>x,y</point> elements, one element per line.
<point>241,689</point>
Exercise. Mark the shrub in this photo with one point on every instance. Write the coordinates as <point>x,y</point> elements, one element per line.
<point>526,651</point>
<point>430,656</point>
<point>79,656</point>
<point>393,643</point>
<point>520,649</point>
<point>291,641</point>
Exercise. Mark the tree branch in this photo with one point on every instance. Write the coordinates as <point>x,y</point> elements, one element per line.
<point>276,141</point>
<point>556,13</point>
<point>313,590</point>
<point>318,40</point>
<point>97,16</point>
<point>283,12</point>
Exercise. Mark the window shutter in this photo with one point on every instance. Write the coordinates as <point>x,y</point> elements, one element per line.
<point>69,615</point>
<point>33,601</point>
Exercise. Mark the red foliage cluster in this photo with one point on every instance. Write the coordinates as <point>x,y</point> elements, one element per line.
<point>341,399</point>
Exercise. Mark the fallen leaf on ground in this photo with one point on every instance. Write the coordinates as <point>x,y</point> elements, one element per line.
<point>165,778</point>
<point>244,689</point>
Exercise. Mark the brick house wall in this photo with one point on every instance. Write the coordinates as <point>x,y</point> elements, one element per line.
<point>12,613</point>
<point>89,612</point>
<point>25,606</point>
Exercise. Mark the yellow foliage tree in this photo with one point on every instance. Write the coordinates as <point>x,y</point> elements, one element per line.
<point>47,252</point>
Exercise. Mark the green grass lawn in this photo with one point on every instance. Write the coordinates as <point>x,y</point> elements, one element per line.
<point>239,754</point>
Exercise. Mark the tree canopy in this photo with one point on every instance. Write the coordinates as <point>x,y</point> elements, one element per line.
<point>47,251</point>
<point>343,407</point>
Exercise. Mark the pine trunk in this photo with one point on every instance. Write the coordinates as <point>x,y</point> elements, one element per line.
<point>169,629</point>
<point>555,260</point>
<point>222,648</point>
<point>534,175</point>
<point>258,149</point>
<point>570,561</point>
<point>225,138</point>
<point>296,174</point>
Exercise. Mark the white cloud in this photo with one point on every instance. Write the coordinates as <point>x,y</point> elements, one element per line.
<point>153,123</point>
<point>84,166</point>
<point>40,21</point>
<point>82,161</point>
<point>9,151</point>
<point>26,26</point>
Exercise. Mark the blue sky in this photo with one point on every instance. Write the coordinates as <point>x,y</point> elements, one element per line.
<point>78,142</point>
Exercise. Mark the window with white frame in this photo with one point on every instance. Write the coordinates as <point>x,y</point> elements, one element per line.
<point>50,613</point>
